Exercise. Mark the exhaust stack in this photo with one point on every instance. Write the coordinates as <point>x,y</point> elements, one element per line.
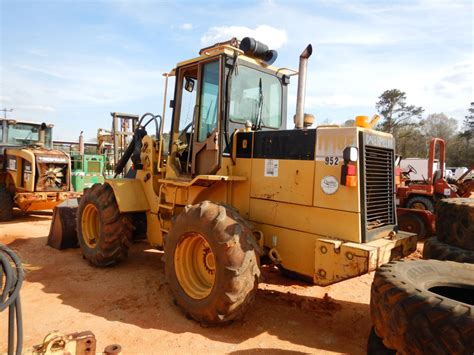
<point>299,117</point>
<point>42,135</point>
<point>81,143</point>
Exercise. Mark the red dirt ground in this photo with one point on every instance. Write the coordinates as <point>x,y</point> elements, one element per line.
<point>130,304</point>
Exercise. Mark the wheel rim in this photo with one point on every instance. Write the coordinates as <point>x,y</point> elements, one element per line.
<point>410,225</point>
<point>90,226</point>
<point>195,265</point>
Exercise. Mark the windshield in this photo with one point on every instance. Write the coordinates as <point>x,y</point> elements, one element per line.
<point>255,96</point>
<point>26,134</point>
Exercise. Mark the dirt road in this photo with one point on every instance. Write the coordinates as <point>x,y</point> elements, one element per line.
<point>130,304</point>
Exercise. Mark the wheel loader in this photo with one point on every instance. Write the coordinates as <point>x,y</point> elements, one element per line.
<point>236,189</point>
<point>33,176</point>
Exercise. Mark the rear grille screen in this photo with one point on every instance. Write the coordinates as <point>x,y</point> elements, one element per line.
<point>378,164</point>
<point>93,166</point>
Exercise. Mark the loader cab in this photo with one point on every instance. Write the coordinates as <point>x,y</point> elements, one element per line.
<point>222,91</point>
<point>195,143</point>
<point>14,133</point>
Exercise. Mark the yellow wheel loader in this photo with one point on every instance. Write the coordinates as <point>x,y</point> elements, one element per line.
<point>33,176</point>
<point>235,189</point>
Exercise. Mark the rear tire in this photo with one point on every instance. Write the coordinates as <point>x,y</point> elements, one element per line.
<point>424,306</point>
<point>435,249</point>
<point>412,223</point>
<point>6,204</point>
<point>455,222</point>
<point>103,232</point>
<point>211,263</point>
<point>421,203</point>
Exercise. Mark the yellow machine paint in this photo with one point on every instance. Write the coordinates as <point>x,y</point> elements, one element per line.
<point>308,218</point>
<point>33,176</point>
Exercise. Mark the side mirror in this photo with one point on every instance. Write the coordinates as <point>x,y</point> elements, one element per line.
<point>350,154</point>
<point>189,84</point>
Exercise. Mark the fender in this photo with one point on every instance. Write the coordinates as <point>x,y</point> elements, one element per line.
<point>129,194</point>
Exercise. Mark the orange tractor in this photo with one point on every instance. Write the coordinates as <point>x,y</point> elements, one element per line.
<point>416,200</point>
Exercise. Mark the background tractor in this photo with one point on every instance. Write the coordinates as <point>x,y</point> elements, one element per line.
<point>236,189</point>
<point>33,176</point>
<point>87,169</point>
<point>417,196</point>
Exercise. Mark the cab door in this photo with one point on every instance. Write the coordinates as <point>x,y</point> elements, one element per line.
<point>206,151</point>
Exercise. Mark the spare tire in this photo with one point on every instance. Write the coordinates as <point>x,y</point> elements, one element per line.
<point>435,249</point>
<point>424,306</point>
<point>455,222</point>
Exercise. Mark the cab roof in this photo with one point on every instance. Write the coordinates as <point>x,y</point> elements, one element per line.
<point>17,120</point>
<point>227,49</point>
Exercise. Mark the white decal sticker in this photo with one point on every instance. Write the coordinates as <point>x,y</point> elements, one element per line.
<point>447,192</point>
<point>329,184</point>
<point>271,167</point>
<point>11,164</point>
<point>51,159</point>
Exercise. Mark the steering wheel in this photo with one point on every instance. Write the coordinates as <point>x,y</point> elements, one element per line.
<point>182,141</point>
<point>411,169</point>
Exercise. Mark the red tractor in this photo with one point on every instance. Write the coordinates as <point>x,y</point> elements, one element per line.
<point>416,200</point>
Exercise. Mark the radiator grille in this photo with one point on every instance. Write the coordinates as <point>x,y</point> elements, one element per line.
<point>378,163</point>
<point>52,177</point>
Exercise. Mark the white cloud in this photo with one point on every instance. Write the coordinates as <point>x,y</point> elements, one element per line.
<point>40,70</point>
<point>87,81</point>
<point>186,26</point>
<point>271,36</point>
<point>39,108</point>
<point>5,99</point>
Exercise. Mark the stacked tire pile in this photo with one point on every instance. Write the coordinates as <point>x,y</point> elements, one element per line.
<point>427,306</point>
<point>454,232</point>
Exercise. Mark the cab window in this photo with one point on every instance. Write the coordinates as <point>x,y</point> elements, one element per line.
<point>209,100</point>
<point>255,96</point>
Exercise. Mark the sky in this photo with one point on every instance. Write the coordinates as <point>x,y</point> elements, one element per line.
<point>71,63</point>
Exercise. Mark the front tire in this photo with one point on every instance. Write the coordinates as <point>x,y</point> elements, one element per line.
<point>211,263</point>
<point>103,232</point>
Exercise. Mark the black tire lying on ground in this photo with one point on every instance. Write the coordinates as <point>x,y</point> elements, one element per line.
<point>212,263</point>
<point>6,204</point>
<point>455,222</point>
<point>424,306</point>
<point>375,345</point>
<point>103,232</point>
<point>435,249</point>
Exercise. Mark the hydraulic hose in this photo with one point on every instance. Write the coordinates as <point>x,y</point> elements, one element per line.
<point>11,278</point>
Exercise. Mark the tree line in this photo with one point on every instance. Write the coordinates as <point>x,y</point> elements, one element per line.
<point>413,132</point>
